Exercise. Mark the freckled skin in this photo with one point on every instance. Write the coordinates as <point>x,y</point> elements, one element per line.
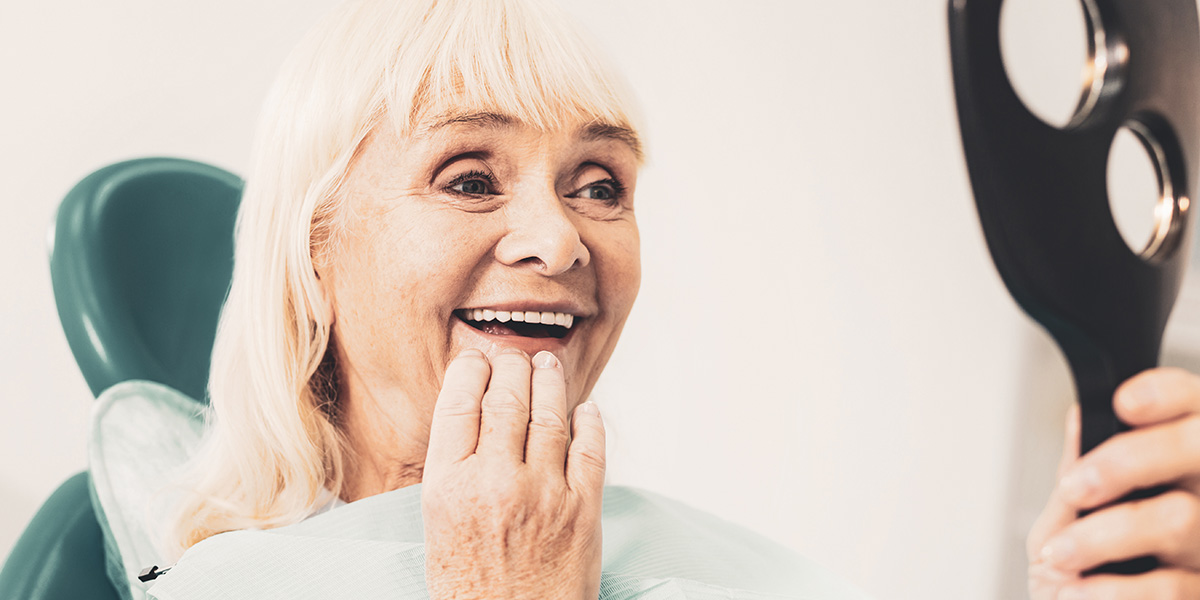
<point>511,510</point>
<point>470,215</point>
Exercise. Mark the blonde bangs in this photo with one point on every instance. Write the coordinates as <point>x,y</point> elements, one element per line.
<point>524,60</point>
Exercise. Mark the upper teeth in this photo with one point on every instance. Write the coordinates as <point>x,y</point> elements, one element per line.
<point>528,316</point>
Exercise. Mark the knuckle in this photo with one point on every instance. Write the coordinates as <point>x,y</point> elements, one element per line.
<point>547,420</point>
<point>551,500</point>
<point>591,456</point>
<point>1110,461</point>
<point>455,403</point>
<point>502,402</point>
<point>1187,435</point>
<point>1180,516</point>
<point>548,433</point>
<point>493,490</point>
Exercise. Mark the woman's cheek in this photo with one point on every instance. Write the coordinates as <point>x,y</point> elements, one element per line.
<point>624,266</point>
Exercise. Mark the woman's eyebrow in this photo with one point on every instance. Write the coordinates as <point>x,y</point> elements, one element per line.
<point>589,133</point>
<point>601,131</point>
<point>476,119</point>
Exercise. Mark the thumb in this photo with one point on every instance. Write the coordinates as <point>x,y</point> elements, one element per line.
<point>1057,514</point>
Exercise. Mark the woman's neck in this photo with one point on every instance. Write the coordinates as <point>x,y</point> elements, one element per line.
<point>388,437</point>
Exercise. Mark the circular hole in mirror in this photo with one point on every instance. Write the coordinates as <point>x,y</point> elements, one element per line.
<point>1047,47</point>
<point>1140,194</point>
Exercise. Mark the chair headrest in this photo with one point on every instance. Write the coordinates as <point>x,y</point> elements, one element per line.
<point>141,260</point>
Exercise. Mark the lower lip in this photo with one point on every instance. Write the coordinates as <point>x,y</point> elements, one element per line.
<point>491,343</point>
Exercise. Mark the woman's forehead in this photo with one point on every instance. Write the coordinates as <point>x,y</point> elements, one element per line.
<point>586,129</point>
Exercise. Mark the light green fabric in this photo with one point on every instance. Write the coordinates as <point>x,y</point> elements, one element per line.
<point>654,547</point>
<point>372,549</point>
<point>141,432</point>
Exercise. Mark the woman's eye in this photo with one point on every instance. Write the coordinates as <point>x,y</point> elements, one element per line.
<point>475,183</point>
<point>608,191</point>
<point>598,192</point>
<point>472,186</point>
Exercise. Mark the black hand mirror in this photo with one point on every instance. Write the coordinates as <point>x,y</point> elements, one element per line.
<point>1042,192</point>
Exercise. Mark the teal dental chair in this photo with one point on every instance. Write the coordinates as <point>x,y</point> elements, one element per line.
<point>141,258</point>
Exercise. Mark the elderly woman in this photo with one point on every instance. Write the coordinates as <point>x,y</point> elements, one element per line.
<point>436,254</point>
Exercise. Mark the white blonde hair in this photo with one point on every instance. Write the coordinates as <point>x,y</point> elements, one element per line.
<point>274,446</point>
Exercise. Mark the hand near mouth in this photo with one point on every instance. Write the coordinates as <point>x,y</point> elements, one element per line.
<point>511,501</point>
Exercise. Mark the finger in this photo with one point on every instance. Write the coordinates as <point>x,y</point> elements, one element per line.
<point>1071,440</point>
<point>454,431</point>
<point>1140,458</point>
<point>504,411</point>
<point>1159,584</point>
<point>1166,526</point>
<point>585,457</point>
<point>1157,396</point>
<point>546,442</point>
<point>1057,513</point>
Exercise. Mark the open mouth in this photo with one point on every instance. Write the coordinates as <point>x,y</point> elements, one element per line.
<point>525,324</point>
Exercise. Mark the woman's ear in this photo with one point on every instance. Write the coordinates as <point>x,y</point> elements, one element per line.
<point>324,308</point>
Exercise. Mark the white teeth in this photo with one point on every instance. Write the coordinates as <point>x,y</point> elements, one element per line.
<point>528,316</point>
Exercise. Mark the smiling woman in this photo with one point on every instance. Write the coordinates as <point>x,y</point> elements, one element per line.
<point>407,151</point>
<point>485,232</point>
<point>436,254</point>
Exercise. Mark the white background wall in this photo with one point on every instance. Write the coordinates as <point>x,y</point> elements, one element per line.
<point>821,352</point>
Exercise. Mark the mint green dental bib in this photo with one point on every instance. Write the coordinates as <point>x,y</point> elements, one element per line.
<point>654,547</point>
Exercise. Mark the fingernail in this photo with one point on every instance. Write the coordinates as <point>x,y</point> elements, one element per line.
<point>545,360</point>
<point>471,352</point>
<point>1080,483</point>
<point>1059,550</point>
<point>511,350</point>
<point>590,408</point>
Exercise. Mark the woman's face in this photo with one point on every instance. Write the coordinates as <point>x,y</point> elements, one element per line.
<point>462,234</point>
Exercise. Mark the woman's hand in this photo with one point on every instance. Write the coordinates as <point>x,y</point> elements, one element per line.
<point>510,511</point>
<point>1163,408</point>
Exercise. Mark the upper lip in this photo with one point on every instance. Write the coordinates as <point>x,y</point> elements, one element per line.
<point>567,307</point>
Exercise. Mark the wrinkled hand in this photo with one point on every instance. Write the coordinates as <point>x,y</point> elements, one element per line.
<point>1163,447</point>
<point>510,510</point>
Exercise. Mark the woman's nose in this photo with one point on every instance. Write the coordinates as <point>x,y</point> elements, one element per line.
<point>541,235</point>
